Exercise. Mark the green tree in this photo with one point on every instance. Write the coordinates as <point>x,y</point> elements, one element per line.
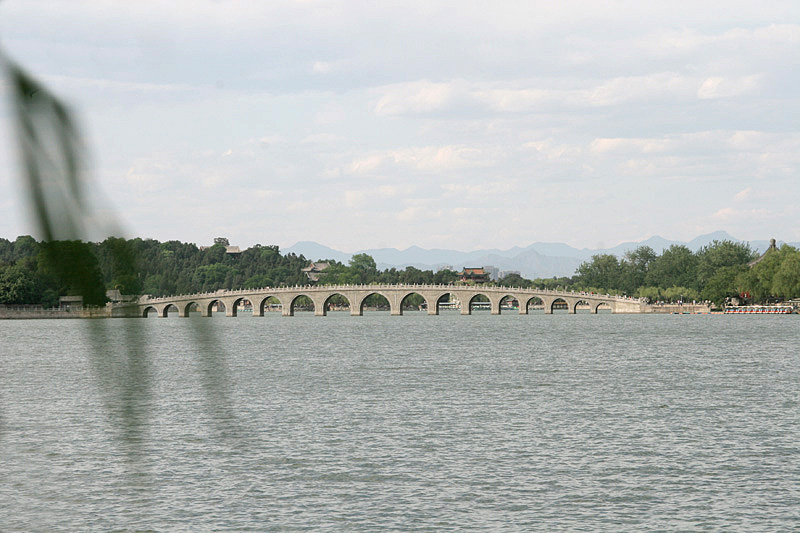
<point>76,269</point>
<point>654,294</point>
<point>18,286</point>
<point>363,265</point>
<point>718,255</point>
<point>675,267</point>
<point>683,294</point>
<point>634,268</point>
<point>513,280</point>
<point>211,277</point>
<point>787,279</point>
<point>603,271</point>
<point>722,283</point>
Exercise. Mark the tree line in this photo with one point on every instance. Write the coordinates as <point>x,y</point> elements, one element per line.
<point>147,266</point>
<point>713,273</point>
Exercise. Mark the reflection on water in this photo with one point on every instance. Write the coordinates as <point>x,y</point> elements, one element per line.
<point>548,422</point>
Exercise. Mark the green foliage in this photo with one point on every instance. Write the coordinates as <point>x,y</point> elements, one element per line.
<point>722,283</point>
<point>603,270</point>
<point>675,267</point>
<point>514,280</point>
<point>715,272</point>
<point>718,255</point>
<point>786,282</point>
<point>680,294</point>
<point>775,276</point>
<point>76,269</point>
<point>364,266</point>
<point>18,285</point>
<point>654,294</point>
<point>634,268</point>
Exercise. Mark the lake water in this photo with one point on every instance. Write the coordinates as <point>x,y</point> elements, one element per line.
<point>560,422</point>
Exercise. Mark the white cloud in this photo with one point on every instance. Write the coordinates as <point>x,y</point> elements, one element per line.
<point>416,97</point>
<point>740,215</point>
<point>718,87</point>
<point>102,84</point>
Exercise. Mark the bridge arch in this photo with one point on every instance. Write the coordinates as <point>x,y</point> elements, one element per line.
<point>532,301</point>
<point>507,300</point>
<point>485,303</point>
<point>372,299</point>
<point>337,299</point>
<point>603,306</point>
<point>412,300</point>
<point>446,300</point>
<point>146,311</point>
<point>583,303</point>
<point>235,305</point>
<point>187,308</point>
<point>221,306</point>
<point>302,299</point>
<point>167,308</point>
<point>558,304</point>
<point>260,303</point>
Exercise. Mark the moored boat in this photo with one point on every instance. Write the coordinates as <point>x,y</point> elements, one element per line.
<point>760,310</point>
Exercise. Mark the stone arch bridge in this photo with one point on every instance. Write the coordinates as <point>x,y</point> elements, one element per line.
<point>356,295</point>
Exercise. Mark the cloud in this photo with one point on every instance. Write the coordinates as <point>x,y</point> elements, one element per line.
<point>327,67</point>
<point>744,194</point>
<point>425,158</point>
<point>416,97</point>
<point>548,95</point>
<point>719,87</point>
<point>106,85</point>
<point>718,141</point>
<point>740,215</point>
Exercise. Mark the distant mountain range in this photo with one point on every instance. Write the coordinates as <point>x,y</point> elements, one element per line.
<point>539,260</point>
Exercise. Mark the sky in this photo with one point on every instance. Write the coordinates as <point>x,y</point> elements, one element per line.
<point>457,125</point>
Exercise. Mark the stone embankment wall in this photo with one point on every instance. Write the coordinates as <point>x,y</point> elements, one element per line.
<point>34,311</point>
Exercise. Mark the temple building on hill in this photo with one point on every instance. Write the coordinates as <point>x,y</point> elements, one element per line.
<point>773,247</point>
<point>475,275</point>
<point>314,270</point>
